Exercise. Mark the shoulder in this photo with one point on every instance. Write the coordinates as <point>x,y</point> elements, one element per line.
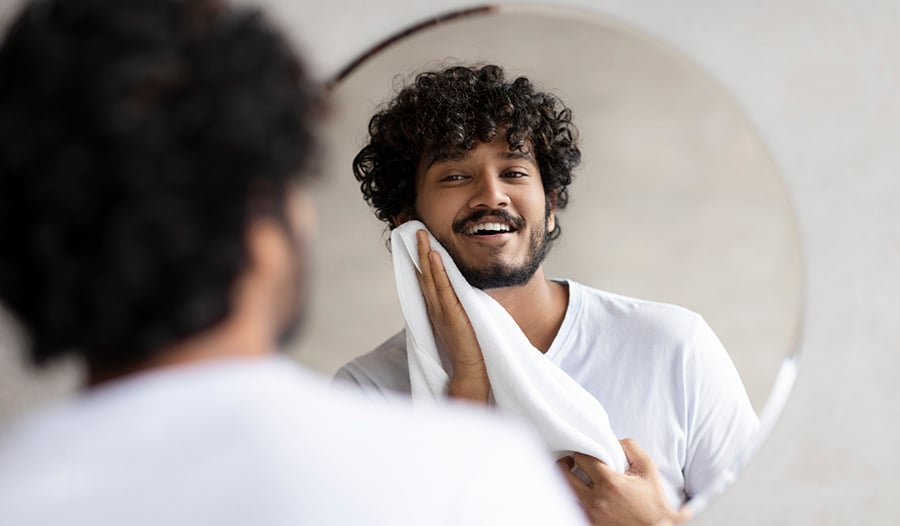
<point>415,447</point>
<point>649,320</point>
<point>456,441</point>
<point>294,434</point>
<point>382,370</point>
<point>433,450</point>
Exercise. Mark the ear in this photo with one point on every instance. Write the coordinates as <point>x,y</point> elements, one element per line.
<point>551,211</point>
<point>267,248</point>
<point>256,289</point>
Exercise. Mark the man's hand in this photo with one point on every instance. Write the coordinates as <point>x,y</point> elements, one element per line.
<point>451,327</point>
<point>632,498</point>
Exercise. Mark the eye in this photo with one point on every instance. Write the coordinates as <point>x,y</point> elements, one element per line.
<point>514,174</point>
<point>452,178</point>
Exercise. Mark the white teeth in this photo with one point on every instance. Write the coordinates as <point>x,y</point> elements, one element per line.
<point>492,227</point>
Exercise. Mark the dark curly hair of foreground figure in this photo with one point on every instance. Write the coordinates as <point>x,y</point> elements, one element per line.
<point>138,137</point>
<point>446,112</point>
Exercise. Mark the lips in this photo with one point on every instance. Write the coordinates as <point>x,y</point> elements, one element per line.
<point>489,222</point>
<point>486,229</point>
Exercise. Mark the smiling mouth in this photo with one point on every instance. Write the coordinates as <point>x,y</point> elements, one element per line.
<point>486,223</point>
<point>488,229</point>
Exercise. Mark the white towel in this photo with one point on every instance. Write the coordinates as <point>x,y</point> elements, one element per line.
<point>523,382</point>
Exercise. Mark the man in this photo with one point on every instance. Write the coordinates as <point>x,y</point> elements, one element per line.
<point>485,164</point>
<point>153,222</point>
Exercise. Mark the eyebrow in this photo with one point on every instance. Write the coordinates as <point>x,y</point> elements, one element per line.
<point>520,155</point>
<point>455,156</point>
<point>514,155</point>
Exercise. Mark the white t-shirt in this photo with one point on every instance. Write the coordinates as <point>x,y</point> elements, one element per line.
<point>260,441</point>
<point>660,372</point>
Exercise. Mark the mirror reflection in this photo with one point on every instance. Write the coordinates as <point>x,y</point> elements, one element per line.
<point>675,201</point>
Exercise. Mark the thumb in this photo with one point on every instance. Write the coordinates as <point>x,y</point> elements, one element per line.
<point>639,462</point>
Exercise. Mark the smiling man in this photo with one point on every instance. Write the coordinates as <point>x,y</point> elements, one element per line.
<point>485,163</point>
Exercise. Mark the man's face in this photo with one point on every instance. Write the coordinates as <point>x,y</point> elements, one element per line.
<point>488,209</point>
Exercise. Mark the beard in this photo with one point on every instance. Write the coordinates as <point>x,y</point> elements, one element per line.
<point>500,275</point>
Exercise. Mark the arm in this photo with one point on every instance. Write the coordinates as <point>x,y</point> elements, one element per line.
<point>452,330</point>
<point>632,498</point>
<point>721,422</point>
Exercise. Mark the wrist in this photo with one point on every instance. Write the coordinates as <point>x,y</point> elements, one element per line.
<point>470,370</point>
<point>473,385</point>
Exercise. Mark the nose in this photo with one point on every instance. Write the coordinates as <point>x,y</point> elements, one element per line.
<point>490,192</point>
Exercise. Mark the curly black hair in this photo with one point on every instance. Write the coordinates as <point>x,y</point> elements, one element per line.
<point>443,113</point>
<point>138,139</point>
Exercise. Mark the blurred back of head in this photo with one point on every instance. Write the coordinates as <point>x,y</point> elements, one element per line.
<point>139,139</point>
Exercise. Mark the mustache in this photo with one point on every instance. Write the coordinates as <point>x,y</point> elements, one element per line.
<point>460,225</point>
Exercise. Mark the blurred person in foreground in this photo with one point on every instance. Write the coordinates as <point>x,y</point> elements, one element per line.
<point>153,222</point>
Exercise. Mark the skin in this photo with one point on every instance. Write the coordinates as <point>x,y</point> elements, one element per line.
<point>491,177</point>
<point>266,300</point>
<point>610,498</point>
<point>470,380</point>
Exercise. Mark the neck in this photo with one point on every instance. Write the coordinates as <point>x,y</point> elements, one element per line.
<point>538,307</point>
<point>235,337</point>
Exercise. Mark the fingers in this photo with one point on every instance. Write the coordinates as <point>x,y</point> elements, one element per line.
<point>449,322</point>
<point>582,490</point>
<point>639,462</point>
<point>566,463</point>
<point>426,277</point>
<point>593,467</point>
<point>435,282</point>
<point>445,293</point>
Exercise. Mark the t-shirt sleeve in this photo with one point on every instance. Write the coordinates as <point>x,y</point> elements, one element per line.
<point>347,376</point>
<point>720,421</point>
<point>381,373</point>
<point>356,378</point>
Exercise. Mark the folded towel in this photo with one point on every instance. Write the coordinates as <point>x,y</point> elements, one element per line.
<point>523,382</point>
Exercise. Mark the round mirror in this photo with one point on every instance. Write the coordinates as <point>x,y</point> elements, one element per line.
<point>676,199</point>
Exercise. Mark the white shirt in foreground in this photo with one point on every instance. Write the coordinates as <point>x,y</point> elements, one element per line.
<point>660,372</point>
<point>260,441</point>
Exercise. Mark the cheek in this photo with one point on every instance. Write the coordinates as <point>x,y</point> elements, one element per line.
<point>437,214</point>
<point>537,205</point>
